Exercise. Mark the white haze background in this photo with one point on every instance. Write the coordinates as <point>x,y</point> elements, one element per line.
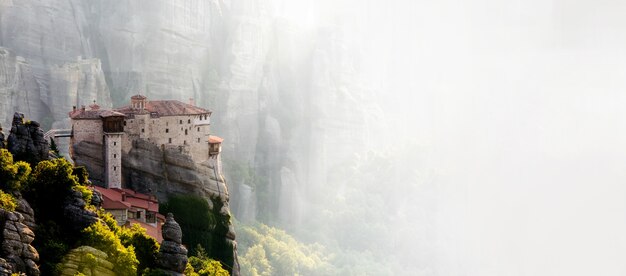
<point>519,108</point>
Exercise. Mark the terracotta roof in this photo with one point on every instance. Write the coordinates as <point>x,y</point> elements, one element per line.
<point>113,199</point>
<point>80,114</point>
<point>215,139</point>
<point>166,108</point>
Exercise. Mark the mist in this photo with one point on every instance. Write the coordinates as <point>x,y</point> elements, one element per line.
<point>517,108</point>
<point>402,137</point>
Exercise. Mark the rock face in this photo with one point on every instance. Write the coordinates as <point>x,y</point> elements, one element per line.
<point>26,141</point>
<point>16,250</point>
<point>75,213</point>
<point>86,260</point>
<point>148,168</point>
<point>172,255</point>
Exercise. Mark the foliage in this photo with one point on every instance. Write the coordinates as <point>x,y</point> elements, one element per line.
<point>270,251</point>
<point>53,147</point>
<point>50,244</point>
<point>13,175</point>
<point>99,236</point>
<point>50,184</point>
<point>202,265</point>
<point>7,201</point>
<point>85,191</point>
<point>198,224</point>
<point>146,247</point>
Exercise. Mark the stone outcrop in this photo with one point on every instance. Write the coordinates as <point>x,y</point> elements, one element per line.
<point>163,171</point>
<point>172,257</point>
<point>16,248</point>
<point>26,141</point>
<point>75,213</point>
<point>2,138</point>
<point>86,260</point>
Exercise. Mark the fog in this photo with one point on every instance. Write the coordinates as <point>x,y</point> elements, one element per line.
<point>518,106</point>
<point>404,137</point>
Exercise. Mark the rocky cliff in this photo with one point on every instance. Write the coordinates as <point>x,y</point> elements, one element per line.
<point>16,250</point>
<point>288,98</point>
<point>165,172</point>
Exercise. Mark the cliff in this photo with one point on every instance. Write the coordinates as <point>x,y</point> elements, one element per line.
<point>288,98</point>
<point>167,172</point>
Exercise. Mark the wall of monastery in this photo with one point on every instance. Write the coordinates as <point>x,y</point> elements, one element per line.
<point>87,130</point>
<point>191,132</point>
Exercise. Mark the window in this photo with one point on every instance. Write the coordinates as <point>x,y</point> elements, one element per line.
<point>185,142</point>
<point>198,140</point>
<point>167,130</point>
<point>138,214</point>
<point>198,129</point>
<point>114,155</point>
<point>185,132</point>
<point>142,130</point>
<point>170,140</point>
<point>181,122</point>
<point>189,121</point>
<point>150,217</point>
<point>114,168</point>
<point>124,123</point>
<point>115,143</point>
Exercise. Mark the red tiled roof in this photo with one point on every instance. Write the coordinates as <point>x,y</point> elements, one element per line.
<point>80,114</point>
<point>113,198</point>
<point>215,139</point>
<point>166,108</point>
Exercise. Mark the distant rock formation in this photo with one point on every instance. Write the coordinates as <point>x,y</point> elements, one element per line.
<point>17,255</point>
<point>26,141</point>
<point>86,260</point>
<point>172,256</point>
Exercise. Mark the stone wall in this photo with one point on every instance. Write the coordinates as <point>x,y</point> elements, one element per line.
<point>170,130</point>
<point>87,130</point>
<point>113,159</point>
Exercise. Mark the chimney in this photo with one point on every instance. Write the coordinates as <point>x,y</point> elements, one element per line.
<point>82,107</point>
<point>74,108</point>
<point>123,196</point>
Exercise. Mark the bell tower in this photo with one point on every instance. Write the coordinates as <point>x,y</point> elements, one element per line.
<point>113,128</point>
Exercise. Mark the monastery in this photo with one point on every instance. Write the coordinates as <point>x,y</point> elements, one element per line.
<point>165,123</point>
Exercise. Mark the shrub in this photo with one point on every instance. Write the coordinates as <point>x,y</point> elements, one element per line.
<point>146,247</point>
<point>98,235</point>
<point>7,201</point>
<point>202,265</point>
<point>13,175</point>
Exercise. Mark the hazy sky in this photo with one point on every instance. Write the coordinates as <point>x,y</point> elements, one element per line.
<point>523,106</point>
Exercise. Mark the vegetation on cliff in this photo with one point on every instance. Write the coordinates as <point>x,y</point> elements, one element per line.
<point>202,228</point>
<point>48,188</point>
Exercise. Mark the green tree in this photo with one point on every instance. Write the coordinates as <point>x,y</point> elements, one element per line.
<point>146,247</point>
<point>13,175</point>
<point>99,236</point>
